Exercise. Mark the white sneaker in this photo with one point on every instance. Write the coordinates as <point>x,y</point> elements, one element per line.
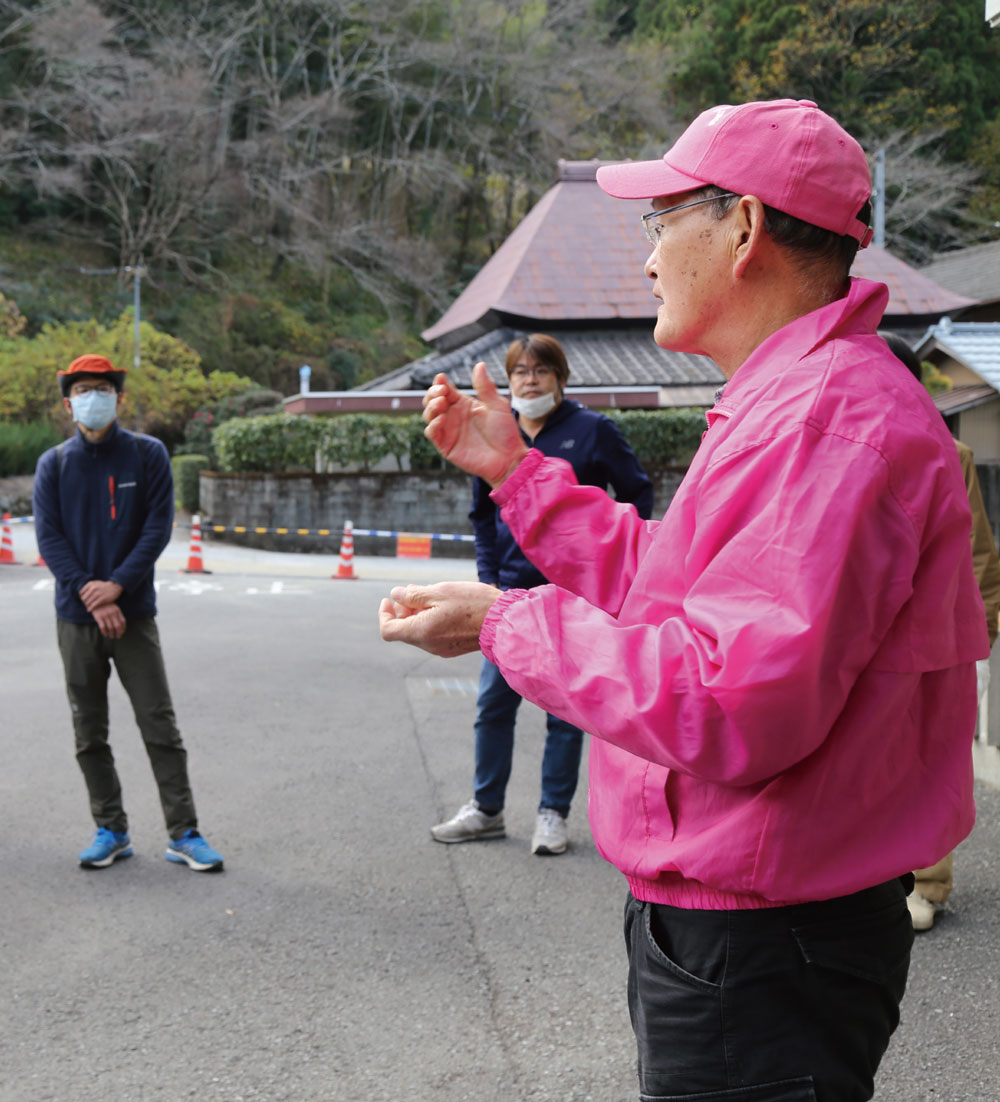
<point>550,835</point>
<point>469,824</point>
<point>921,910</point>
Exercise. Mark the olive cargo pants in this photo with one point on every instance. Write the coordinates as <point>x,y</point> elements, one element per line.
<point>87,656</point>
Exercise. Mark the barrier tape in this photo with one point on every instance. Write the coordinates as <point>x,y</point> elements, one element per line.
<point>252,529</point>
<point>391,534</point>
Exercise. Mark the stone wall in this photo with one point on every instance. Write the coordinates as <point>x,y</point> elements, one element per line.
<point>389,501</point>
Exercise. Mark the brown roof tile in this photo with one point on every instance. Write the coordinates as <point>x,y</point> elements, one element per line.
<point>578,254</point>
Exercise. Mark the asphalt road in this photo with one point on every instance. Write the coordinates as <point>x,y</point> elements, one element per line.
<point>343,955</point>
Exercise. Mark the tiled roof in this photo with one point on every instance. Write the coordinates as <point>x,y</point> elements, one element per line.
<point>910,291</point>
<point>578,256</point>
<point>597,358</point>
<point>974,271</point>
<point>961,398</point>
<point>976,344</point>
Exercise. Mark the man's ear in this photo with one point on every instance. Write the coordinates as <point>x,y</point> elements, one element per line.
<point>748,232</point>
<point>67,406</point>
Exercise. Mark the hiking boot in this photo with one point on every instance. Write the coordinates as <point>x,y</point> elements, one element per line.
<point>470,825</point>
<point>551,836</point>
<point>193,851</point>
<point>105,849</point>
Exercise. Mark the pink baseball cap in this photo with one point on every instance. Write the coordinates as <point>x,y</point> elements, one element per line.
<point>787,152</point>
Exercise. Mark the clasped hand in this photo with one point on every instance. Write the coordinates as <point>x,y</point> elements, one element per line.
<point>99,600</point>
<point>444,619</point>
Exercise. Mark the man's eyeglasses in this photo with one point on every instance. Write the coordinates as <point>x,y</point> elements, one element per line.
<point>79,389</point>
<point>653,228</point>
<point>540,371</point>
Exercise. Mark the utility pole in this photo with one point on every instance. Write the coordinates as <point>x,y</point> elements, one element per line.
<point>137,273</point>
<point>878,237</point>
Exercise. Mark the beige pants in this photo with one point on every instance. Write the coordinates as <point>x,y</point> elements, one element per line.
<point>935,883</point>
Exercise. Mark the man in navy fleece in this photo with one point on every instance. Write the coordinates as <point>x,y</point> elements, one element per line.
<point>104,507</point>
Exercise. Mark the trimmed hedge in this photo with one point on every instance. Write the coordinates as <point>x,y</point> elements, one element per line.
<point>22,444</point>
<point>661,437</point>
<point>186,469</point>
<point>360,441</point>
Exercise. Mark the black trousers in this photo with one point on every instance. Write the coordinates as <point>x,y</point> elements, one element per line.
<point>787,1004</point>
<point>87,656</point>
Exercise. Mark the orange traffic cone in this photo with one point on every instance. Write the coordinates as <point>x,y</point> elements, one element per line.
<point>195,565</point>
<point>345,568</point>
<point>7,543</point>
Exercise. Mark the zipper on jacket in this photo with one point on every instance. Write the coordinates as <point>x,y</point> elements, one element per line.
<point>111,488</point>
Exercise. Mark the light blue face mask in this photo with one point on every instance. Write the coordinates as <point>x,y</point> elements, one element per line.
<point>94,410</point>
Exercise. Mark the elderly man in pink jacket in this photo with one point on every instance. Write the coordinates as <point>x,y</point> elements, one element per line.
<point>779,676</point>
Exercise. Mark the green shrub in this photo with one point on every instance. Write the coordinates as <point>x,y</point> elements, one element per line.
<point>661,436</point>
<point>278,442</point>
<point>159,398</point>
<point>186,469</point>
<point>363,440</point>
<point>935,381</point>
<point>360,441</point>
<point>423,455</point>
<point>22,444</point>
<point>254,401</point>
<point>284,443</point>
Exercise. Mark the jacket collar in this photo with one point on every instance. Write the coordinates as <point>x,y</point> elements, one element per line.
<point>106,442</point>
<point>859,311</point>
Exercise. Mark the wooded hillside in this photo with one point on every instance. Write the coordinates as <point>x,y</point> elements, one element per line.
<point>314,180</point>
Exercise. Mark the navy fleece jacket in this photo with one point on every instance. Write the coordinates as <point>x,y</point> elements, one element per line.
<point>599,455</point>
<point>104,512</point>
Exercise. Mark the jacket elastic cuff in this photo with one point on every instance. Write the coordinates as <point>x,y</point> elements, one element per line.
<point>522,473</point>
<point>488,632</point>
<point>127,582</point>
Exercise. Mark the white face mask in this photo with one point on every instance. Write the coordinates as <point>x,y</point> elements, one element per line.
<point>533,408</point>
<point>94,410</point>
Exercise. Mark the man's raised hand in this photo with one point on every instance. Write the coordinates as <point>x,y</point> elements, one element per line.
<point>477,434</point>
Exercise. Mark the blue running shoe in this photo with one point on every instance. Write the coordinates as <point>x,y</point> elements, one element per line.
<point>193,851</point>
<point>107,847</point>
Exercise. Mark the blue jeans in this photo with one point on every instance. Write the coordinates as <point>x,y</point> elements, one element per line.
<point>497,711</point>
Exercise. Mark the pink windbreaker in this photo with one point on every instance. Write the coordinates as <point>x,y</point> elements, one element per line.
<point>778,676</point>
